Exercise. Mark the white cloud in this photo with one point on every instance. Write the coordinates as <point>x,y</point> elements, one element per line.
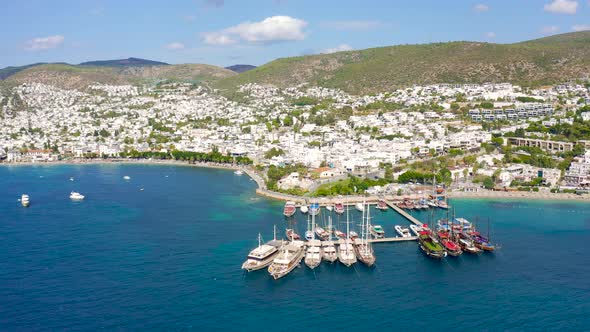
<point>491,35</point>
<point>562,7</point>
<point>44,43</point>
<point>480,7</point>
<point>581,27</point>
<point>353,25</point>
<point>271,29</point>
<point>175,46</point>
<point>551,29</point>
<point>339,48</point>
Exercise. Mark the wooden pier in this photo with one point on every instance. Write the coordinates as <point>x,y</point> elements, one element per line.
<point>404,213</point>
<point>393,239</point>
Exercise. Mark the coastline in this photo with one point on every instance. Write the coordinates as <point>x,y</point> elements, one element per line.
<point>518,195</point>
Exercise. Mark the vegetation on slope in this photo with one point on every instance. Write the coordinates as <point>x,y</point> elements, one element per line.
<point>542,61</point>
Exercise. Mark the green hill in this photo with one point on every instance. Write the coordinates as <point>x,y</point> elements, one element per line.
<point>79,77</point>
<point>536,62</point>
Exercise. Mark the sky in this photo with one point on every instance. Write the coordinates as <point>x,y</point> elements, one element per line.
<point>226,32</point>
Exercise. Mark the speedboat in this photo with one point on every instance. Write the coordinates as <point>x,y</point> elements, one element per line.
<point>360,207</point>
<point>303,209</point>
<point>260,257</point>
<point>127,177</point>
<point>313,255</point>
<point>329,207</point>
<point>24,200</point>
<point>377,231</point>
<point>288,258</point>
<point>289,209</point>
<point>402,231</point>
<point>329,251</point>
<point>238,172</point>
<point>442,205</point>
<point>75,196</point>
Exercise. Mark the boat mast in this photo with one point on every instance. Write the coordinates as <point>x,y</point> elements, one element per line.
<point>330,228</point>
<point>347,224</point>
<point>274,232</point>
<point>259,240</point>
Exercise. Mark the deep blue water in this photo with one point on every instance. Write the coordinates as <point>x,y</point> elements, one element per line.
<point>169,257</point>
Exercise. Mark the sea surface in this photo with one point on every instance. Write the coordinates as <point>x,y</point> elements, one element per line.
<point>168,257</point>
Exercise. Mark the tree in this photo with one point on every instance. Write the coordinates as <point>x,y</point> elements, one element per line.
<point>488,183</point>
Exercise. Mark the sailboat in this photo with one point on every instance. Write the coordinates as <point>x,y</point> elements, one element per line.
<point>288,259</point>
<point>346,254</point>
<point>363,248</point>
<point>328,248</point>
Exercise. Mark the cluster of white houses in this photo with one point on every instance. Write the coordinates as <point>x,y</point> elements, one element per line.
<point>520,112</point>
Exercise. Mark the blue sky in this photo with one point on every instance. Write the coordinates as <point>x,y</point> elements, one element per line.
<point>225,32</point>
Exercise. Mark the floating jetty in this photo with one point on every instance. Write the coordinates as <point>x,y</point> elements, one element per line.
<point>404,213</point>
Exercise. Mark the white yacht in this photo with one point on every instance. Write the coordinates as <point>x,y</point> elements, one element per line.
<point>260,257</point>
<point>24,200</point>
<point>304,209</point>
<point>238,172</point>
<point>329,251</point>
<point>377,231</point>
<point>402,231</point>
<point>360,207</point>
<point>288,258</point>
<point>76,196</point>
<point>313,255</point>
<point>346,254</point>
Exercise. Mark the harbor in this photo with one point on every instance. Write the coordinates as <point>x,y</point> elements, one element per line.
<point>334,233</point>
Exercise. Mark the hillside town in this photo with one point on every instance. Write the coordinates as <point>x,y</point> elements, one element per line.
<point>471,136</point>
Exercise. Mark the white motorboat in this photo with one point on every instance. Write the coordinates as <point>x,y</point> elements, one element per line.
<point>377,231</point>
<point>402,231</point>
<point>126,178</point>
<point>76,196</point>
<point>238,172</point>
<point>260,257</point>
<point>314,209</point>
<point>24,200</point>
<point>304,209</point>
<point>329,207</point>
<point>309,235</point>
<point>72,179</point>
<point>288,258</point>
<point>313,255</point>
<point>360,207</point>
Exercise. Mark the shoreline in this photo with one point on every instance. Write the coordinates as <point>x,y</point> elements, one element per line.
<point>261,191</point>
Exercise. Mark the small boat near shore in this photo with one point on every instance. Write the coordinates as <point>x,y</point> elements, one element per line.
<point>289,209</point>
<point>339,208</point>
<point>381,205</point>
<point>314,209</point>
<point>359,207</point>
<point>238,172</point>
<point>402,231</point>
<point>304,209</point>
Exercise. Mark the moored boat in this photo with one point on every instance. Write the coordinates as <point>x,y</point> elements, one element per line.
<point>381,205</point>
<point>377,231</point>
<point>238,172</point>
<point>304,209</point>
<point>416,229</point>
<point>291,235</point>
<point>321,233</point>
<point>289,209</point>
<point>287,259</point>
<point>352,235</point>
<point>339,208</point>
<point>260,257</point>
<point>402,231</point>
<point>482,242</point>
<point>442,204</point>
<point>314,209</point>
<point>339,234</point>
<point>329,207</point>
<point>313,254</point>
<point>329,251</point>
<point>467,245</point>
<point>430,246</point>
<point>360,207</point>
<point>346,254</point>
<point>452,248</point>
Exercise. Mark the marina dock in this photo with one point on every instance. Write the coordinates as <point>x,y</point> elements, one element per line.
<point>404,213</point>
<point>393,239</point>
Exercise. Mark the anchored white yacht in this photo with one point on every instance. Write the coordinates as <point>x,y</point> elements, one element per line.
<point>313,255</point>
<point>24,200</point>
<point>76,196</point>
<point>402,231</point>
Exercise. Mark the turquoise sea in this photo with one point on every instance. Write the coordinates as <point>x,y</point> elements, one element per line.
<point>168,258</point>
